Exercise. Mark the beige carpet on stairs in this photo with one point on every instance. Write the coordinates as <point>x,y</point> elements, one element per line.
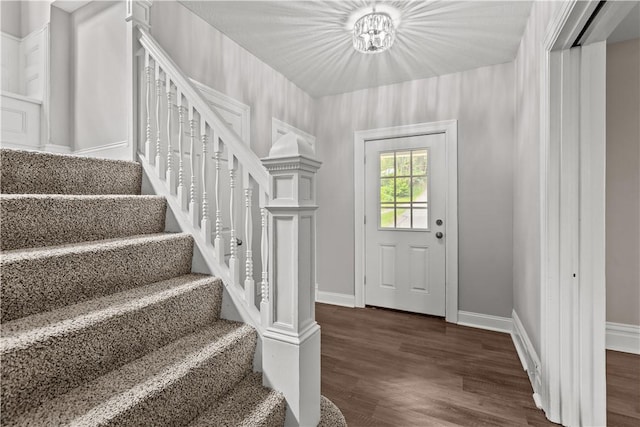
<point>102,321</point>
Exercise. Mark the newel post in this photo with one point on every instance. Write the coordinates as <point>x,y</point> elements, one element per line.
<point>137,16</point>
<point>291,343</point>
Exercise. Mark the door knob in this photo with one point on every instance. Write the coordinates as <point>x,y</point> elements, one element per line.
<point>439,235</point>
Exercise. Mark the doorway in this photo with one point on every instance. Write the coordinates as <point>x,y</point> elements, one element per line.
<point>406,218</point>
<point>573,212</point>
<point>405,244</point>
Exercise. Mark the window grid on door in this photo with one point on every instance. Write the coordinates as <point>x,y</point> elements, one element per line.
<point>404,189</point>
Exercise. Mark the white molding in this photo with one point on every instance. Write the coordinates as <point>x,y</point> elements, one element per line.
<point>623,337</point>
<point>49,148</point>
<point>450,129</point>
<point>19,97</point>
<point>590,323</point>
<point>334,298</point>
<point>609,17</point>
<point>572,278</point>
<point>485,321</point>
<point>528,356</point>
<point>280,128</point>
<point>11,36</point>
<point>112,150</point>
<point>57,148</point>
<point>224,103</point>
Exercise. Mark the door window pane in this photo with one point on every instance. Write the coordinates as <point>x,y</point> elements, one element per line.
<point>420,217</point>
<point>387,219</point>
<point>387,190</point>
<point>404,189</point>
<point>403,163</point>
<point>419,163</point>
<point>419,189</point>
<point>387,164</point>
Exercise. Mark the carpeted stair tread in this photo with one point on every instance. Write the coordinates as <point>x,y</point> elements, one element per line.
<point>81,271</point>
<point>249,404</point>
<point>37,220</point>
<point>50,353</point>
<point>46,173</point>
<point>170,386</point>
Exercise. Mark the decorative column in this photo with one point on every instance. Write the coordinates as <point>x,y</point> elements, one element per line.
<point>183,195</point>
<point>137,16</point>
<point>193,201</point>
<point>159,163</point>
<point>291,342</point>
<point>171,175</point>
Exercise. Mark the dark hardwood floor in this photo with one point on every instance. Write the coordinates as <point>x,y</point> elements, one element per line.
<point>623,389</point>
<point>388,368</point>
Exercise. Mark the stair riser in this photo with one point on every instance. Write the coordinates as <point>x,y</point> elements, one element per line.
<point>76,277</point>
<point>249,404</point>
<point>55,366</point>
<point>185,399</point>
<point>25,172</point>
<point>29,222</point>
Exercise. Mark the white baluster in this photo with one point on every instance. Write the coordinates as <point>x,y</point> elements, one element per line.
<point>249,284</point>
<point>218,243</point>
<point>147,142</point>
<point>234,265</point>
<point>193,202</point>
<point>171,176</point>
<point>205,222</point>
<point>265,310</point>
<point>159,163</point>
<point>182,189</point>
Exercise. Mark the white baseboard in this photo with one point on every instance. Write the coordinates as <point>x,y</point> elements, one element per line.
<point>623,337</point>
<point>56,148</point>
<point>49,148</point>
<point>116,150</point>
<point>484,321</point>
<point>333,298</point>
<point>528,356</point>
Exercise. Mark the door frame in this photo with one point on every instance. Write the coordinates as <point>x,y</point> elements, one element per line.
<point>572,212</point>
<point>450,129</point>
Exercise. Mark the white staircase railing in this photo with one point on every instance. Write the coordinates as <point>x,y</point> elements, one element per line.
<point>273,199</point>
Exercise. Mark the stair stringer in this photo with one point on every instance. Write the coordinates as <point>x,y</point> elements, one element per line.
<point>204,261</point>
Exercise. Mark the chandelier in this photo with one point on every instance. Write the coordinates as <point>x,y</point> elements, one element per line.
<point>373,33</point>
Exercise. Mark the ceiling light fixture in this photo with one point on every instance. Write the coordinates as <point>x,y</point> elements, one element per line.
<point>373,33</point>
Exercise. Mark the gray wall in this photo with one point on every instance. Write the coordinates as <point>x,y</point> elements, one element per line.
<point>60,91</point>
<point>98,32</point>
<point>623,182</point>
<point>482,102</point>
<point>11,16</point>
<point>210,57</point>
<point>526,161</point>
<point>34,15</point>
<point>20,18</point>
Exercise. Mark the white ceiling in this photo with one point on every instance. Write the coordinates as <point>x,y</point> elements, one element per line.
<point>310,41</point>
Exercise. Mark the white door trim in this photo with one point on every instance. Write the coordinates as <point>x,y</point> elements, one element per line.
<point>280,128</point>
<point>450,129</point>
<point>572,161</point>
<point>219,101</point>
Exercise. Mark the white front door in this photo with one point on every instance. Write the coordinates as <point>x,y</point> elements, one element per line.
<point>405,232</point>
